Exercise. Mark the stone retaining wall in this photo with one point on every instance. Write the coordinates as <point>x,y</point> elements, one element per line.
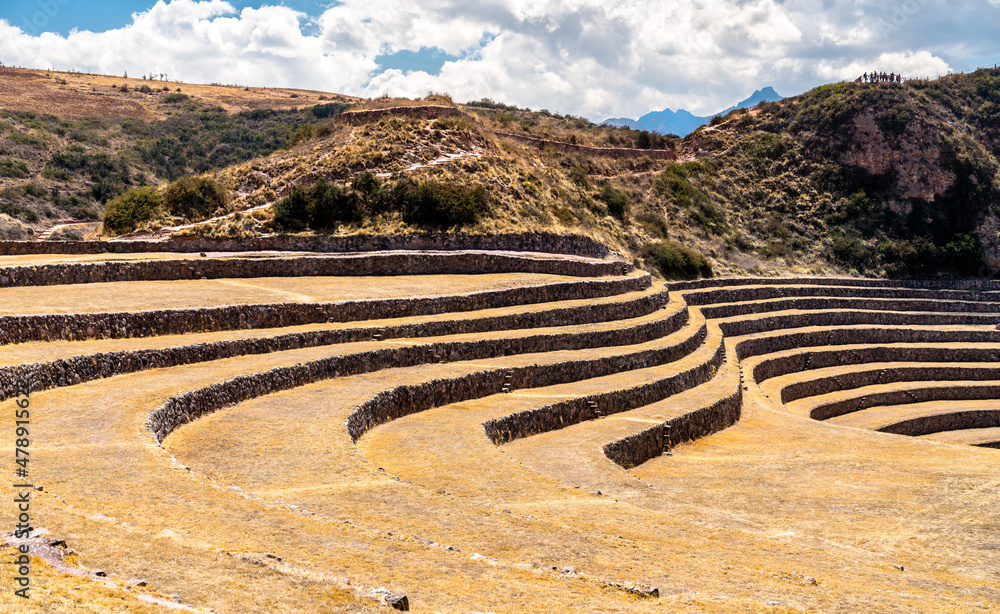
<point>958,392</point>
<point>379,264</point>
<point>765,293</point>
<point>558,415</point>
<point>758,346</point>
<point>953,421</point>
<point>603,152</point>
<point>821,359</point>
<point>946,284</point>
<point>71,371</point>
<point>636,449</point>
<point>860,379</point>
<point>370,116</point>
<point>69,327</point>
<point>404,400</point>
<point>542,242</point>
<point>741,309</point>
<point>850,317</point>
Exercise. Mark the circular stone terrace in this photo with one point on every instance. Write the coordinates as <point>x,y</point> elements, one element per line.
<point>496,428</point>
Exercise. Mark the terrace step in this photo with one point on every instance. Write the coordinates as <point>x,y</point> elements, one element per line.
<point>985,437</point>
<point>826,406</point>
<point>881,417</point>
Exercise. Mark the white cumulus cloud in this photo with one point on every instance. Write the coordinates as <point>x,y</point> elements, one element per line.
<point>587,57</point>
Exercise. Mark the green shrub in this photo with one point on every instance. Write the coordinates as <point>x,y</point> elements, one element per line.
<point>917,257</point>
<point>675,261</point>
<point>321,206</point>
<point>964,254</point>
<point>854,253</point>
<point>506,119</point>
<point>456,123</point>
<point>617,201</point>
<point>323,111</point>
<point>303,134</point>
<point>16,169</point>
<point>292,212</point>
<point>29,139</point>
<point>654,224</point>
<point>709,217</point>
<point>174,98</point>
<point>441,205</point>
<point>128,211</point>
<point>329,203</point>
<point>366,184</point>
<point>194,197</point>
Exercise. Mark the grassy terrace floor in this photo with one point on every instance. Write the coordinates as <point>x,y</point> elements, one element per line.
<point>140,295</point>
<point>269,506</point>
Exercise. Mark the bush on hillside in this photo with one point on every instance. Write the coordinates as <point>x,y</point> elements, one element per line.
<point>323,111</point>
<point>616,201</point>
<point>674,261</point>
<point>127,212</point>
<point>319,207</point>
<point>441,205</point>
<point>195,197</point>
<point>329,204</point>
<point>854,252</point>
<point>292,212</point>
<point>17,169</point>
<point>654,224</point>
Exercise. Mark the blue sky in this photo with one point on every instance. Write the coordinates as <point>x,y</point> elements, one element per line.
<point>593,58</point>
<point>63,15</point>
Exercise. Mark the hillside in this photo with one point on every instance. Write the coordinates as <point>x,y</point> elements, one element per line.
<point>885,179</point>
<point>900,179</point>
<point>69,142</point>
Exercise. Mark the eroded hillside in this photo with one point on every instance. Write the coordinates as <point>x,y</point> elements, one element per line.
<point>880,179</point>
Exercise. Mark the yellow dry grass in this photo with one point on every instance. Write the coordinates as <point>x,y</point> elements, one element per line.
<point>134,296</point>
<point>71,95</point>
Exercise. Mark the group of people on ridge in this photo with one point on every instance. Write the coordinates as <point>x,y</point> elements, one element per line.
<point>880,77</point>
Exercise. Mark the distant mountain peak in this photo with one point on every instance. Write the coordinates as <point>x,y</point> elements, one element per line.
<point>682,122</point>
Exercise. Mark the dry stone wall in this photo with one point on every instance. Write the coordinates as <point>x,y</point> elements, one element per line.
<point>636,449</point>
<point>409,399</point>
<point>602,152</point>
<point>954,392</point>
<point>980,285</point>
<point>849,317</point>
<point>951,421</point>
<point>80,369</point>
<point>573,411</point>
<point>820,359</point>
<point>730,310</point>
<point>404,400</point>
<point>18,329</point>
<point>770,344</point>
<point>766,293</point>
<point>859,379</point>
<point>370,116</point>
<point>541,242</point>
<point>350,265</point>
